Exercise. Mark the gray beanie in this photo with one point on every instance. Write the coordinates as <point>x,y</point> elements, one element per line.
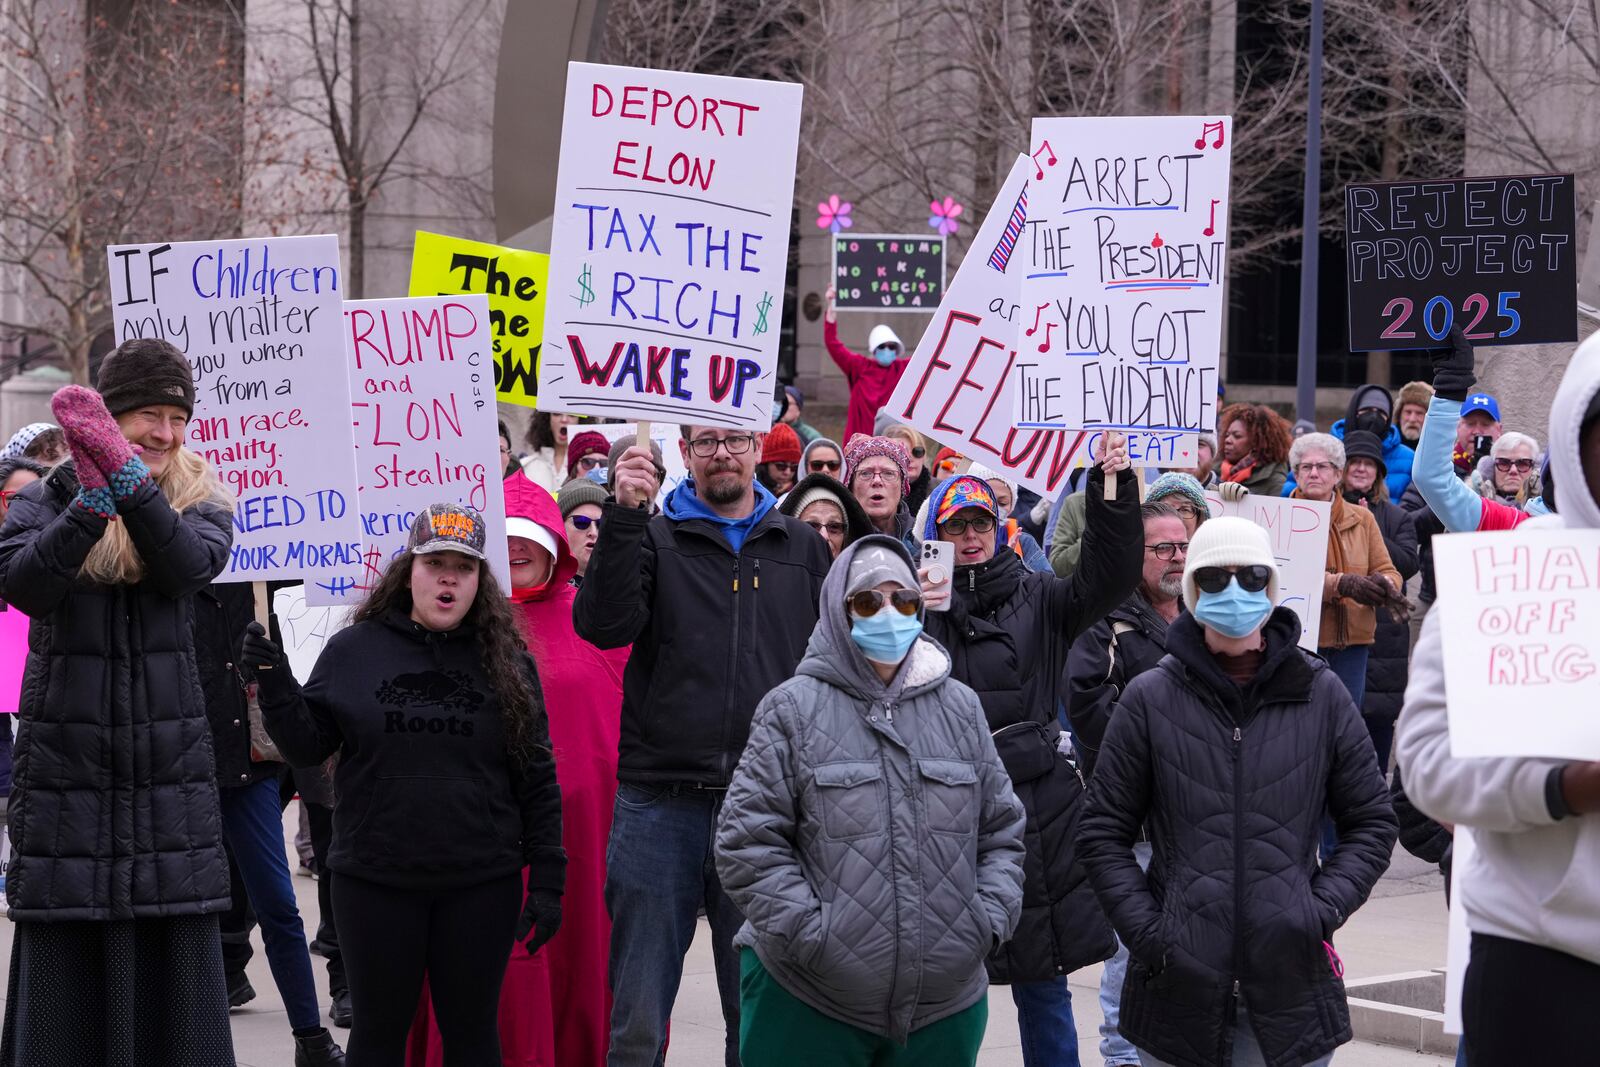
<point>873,564</point>
<point>621,445</point>
<point>578,492</point>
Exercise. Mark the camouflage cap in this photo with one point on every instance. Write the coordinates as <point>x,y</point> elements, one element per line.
<point>447,528</point>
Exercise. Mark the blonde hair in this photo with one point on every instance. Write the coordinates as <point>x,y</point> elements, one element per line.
<point>186,481</point>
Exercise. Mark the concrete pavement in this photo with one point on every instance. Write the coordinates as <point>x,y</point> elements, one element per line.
<point>1402,928</point>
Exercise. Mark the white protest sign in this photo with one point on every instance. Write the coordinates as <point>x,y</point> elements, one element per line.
<point>1458,943</point>
<point>956,386</point>
<point>259,322</point>
<point>670,246</point>
<point>666,436</point>
<point>305,629</point>
<point>1299,533</point>
<point>1126,249</point>
<point>1520,613</point>
<point>421,374</point>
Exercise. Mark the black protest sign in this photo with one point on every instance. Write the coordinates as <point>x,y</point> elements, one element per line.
<point>1496,255</point>
<point>888,272</point>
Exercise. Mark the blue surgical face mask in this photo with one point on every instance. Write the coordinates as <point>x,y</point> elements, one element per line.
<point>885,637</point>
<point>1233,612</point>
<point>884,354</point>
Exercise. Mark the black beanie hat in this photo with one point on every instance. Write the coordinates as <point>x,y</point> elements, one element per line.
<point>143,371</point>
<point>1362,444</point>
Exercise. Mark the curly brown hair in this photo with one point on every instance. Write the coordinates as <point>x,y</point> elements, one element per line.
<point>505,656</point>
<point>1270,436</point>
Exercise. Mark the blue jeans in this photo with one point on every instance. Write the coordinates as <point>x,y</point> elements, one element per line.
<point>659,873</point>
<point>1115,1050</point>
<point>1246,1053</point>
<point>253,824</point>
<point>1044,1018</point>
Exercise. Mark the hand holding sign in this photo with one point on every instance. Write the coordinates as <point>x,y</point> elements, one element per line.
<point>635,477</point>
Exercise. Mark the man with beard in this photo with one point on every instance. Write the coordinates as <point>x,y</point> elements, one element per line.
<point>718,595</point>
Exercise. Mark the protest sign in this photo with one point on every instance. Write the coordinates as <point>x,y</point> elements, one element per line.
<point>957,385</point>
<point>1518,615</point>
<point>1126,249</point>
<point>426,430</point>
<point>666,436</point>
<point>1299,533</point>
<point>514,280</point>
<point>1496,254</point>
<point>304,629</point>
<point>888,272</point>
<point>670,246</point>
<point>259,320</point>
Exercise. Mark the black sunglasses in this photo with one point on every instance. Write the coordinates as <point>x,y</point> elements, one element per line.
<point>818,465</point>
<point>919,451</point>
<point>869,602</point>
<point>1252,579</point>
<point>1523,466</point>
<point>583,522</point>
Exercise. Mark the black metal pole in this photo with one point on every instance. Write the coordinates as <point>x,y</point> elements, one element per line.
<point>1306,376</point>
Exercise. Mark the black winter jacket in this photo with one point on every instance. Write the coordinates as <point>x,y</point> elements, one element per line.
<point>221,612</point>
<point>1113,652</point>
<point>1389,658</point>
<point>712,632</point>
<point>1426,525</point>
<point>428,796</point>
<point>1232,786</point>
<point>114,810</point>
<point>1008,631</point>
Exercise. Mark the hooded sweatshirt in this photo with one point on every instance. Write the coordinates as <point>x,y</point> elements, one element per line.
<point>1397,455</point>
<point>870,836</point>
<point>871,383</point>
<point>685,503</point>
<point>1534,876</point>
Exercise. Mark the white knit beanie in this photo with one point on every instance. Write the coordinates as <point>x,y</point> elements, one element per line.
<point>1228,541</point>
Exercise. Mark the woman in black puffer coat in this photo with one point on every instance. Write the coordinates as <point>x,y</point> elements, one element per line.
<point>1228,754</point>
<point>1008,631</point>
<point>1389,662</point>
<point>118,873</point>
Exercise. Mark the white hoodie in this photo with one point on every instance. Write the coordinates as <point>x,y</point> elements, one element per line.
<point>1535,877</point>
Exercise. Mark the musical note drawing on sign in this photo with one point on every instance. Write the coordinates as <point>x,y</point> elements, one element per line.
<point>1050,158</point>
<point>1037,313</point>
<point>1211,227</point>
<point>1044,346</point>
<point>1209,127</point>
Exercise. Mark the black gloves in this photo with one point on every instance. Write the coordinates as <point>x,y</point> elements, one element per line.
<point>541,916</point>
<point>258,654</point>
<point>1369,589</point>
<point>1453,377</point>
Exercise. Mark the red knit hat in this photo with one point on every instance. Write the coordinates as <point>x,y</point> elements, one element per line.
<point>587,443</point>
<point>783,445</point>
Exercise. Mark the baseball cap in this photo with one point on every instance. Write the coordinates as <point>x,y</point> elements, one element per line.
<point>1480,402</point>
<point>447,528</point>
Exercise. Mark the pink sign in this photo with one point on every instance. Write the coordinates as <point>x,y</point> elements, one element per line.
<point>13,654</point>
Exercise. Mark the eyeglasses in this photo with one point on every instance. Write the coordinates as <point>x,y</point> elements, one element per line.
<point>1523,466</point>
<point>879,474</point>
<point>589,463</point>
<point>982,524</point>
<point>837,529</point>
<point>1252,579</point>
<point>1185,511</point>
<point>737,444</point>
<point>787,468</point>
<point>817,466</point>
<point>505,449</point>
<point>1169,549</point>
<point>583,522</point>
<point>868,602</point>
<point>1316,468</point>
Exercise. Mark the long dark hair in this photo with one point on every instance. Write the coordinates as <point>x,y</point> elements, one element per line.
<point>505,657</point>
<point>540,434</point>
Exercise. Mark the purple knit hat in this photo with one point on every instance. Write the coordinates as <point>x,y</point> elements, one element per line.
<point>861,448</point>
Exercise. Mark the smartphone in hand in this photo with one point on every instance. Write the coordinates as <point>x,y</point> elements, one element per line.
<point>938,560</point>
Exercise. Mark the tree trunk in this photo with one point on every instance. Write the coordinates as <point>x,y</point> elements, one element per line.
<point>355,168</point>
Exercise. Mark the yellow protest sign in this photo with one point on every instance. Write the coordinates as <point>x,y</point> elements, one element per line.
<point>514,280</point>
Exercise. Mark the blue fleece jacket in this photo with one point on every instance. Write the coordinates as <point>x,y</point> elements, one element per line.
<point>683,503</point>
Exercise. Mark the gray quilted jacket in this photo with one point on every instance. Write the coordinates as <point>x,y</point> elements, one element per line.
<point>870,835</point>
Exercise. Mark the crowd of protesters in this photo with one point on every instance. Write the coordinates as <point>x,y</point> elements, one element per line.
<point>885,786</point>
